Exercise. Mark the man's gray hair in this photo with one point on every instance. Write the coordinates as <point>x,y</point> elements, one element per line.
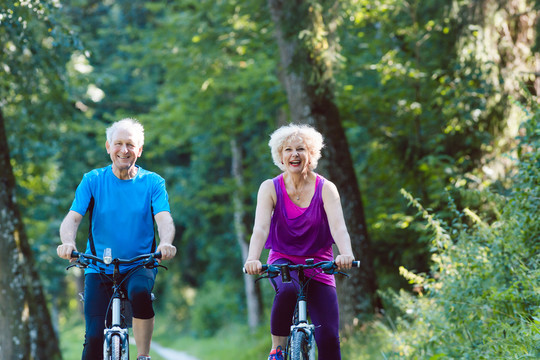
<point>130,124</point>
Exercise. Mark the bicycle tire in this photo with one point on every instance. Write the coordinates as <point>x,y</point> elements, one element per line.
<point>116,347</point>
<point>299,346</point>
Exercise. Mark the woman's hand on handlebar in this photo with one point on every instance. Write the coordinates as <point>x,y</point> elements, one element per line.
<point>344,262</point>
<point>253,267</point>
<point>168,251</point>
<point>64,251</point>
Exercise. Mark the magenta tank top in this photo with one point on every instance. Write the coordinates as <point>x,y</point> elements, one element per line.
<point>302,233</point>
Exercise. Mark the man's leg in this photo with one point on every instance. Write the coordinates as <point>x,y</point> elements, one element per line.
<point>97,293</point>
<point>142,331</point>
<point>139,287</point>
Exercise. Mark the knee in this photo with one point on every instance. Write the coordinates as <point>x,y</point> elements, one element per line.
<point>141,303</point>
<point>140,294</point>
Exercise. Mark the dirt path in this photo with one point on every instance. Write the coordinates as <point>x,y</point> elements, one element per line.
<point>171,354</point>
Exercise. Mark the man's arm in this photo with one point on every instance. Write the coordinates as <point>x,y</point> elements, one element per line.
<point>166,231</point>
<point>68,233</point>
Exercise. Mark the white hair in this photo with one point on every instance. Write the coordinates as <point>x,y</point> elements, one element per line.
<point>129,124</point>
<point>311,138</point>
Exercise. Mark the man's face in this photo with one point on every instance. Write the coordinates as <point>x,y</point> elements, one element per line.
<point>124,149</point>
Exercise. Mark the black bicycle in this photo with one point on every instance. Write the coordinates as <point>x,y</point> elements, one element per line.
<point>301,341</point>
<point>116,334</point>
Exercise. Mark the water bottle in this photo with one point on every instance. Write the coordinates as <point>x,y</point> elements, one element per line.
<point>107,256</point>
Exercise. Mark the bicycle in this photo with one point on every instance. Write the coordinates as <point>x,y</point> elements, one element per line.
<point>301,340</point>
<point>116,336</point>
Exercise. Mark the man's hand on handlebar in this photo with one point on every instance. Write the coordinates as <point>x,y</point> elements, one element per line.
<point>64,251</point>
<point>168,251</point>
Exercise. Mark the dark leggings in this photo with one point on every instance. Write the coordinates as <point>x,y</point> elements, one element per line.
<point>322,308</point>
<point>97,296</point>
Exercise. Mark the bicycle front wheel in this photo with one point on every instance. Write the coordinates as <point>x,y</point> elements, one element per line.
<point>114,351</point>
<point>299,346</point>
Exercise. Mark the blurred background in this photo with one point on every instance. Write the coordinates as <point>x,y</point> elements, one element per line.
<point>430,115</point>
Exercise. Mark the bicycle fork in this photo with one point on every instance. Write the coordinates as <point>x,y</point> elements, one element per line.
<point>116,331</point>
<point>303,326</point>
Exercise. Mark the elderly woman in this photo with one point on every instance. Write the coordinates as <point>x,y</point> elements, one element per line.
<point>299,216</point>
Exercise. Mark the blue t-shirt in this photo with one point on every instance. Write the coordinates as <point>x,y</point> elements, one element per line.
<point>122,217</point>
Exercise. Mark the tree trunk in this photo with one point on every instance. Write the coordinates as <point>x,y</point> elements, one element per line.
<point>253,294</point>
<point>308,82</point>
<point>26,330</point>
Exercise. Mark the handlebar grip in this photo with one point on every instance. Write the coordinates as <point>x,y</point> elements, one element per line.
<point>75,254</point>
<point>158,255</point>
<point>356,263</point>
<point>264,268</point>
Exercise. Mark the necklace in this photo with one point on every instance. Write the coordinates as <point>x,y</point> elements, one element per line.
<point>299,193</point>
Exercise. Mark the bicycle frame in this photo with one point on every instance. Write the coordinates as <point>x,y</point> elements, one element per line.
<point>116,337</point>
<point>301,341</point>
<point>116,328</point>
<point>300,320</point>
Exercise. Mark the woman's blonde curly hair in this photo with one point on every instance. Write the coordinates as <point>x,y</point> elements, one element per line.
<point>311,137</point>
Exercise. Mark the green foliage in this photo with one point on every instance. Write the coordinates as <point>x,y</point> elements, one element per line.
<point>216,305</point>
<point>480,301</point>
<point>35,46</point>
<point>420,91</point>
<point>228,91</point>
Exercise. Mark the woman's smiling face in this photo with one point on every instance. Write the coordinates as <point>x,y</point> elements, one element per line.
<point>295,155</point>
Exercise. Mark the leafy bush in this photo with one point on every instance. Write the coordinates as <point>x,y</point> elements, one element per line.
<point>482,298</point>
<point>216,306</point>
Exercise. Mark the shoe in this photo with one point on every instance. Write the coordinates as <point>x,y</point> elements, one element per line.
<point>276,354</point>
<point>143,357</point>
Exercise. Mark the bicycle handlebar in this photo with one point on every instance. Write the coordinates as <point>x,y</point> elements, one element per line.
<point>77,255</point>
<point>324,265</point>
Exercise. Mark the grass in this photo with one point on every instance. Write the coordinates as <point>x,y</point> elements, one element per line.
<point>233,342</point>
<point>238,342</point>
<point>72,339</point>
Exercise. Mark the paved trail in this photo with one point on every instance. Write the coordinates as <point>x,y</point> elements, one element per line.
<point>167,353</point>
<point>171,354</point>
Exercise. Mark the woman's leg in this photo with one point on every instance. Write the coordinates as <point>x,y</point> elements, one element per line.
<point>324,312</point>
<point>282,309</point>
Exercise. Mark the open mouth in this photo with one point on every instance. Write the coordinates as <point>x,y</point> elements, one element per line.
<point>295,163</point>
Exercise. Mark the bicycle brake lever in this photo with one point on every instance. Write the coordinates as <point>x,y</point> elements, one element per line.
<point>269,275</point>
<point>152,264</point>
<point>342,273</point>
<point>329,269</point>
<point>79,264</point>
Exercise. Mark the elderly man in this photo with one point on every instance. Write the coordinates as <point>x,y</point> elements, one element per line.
<point>123,201</point>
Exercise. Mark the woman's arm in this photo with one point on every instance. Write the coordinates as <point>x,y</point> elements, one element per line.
<point>266,200</point>
<point>338,228</point>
